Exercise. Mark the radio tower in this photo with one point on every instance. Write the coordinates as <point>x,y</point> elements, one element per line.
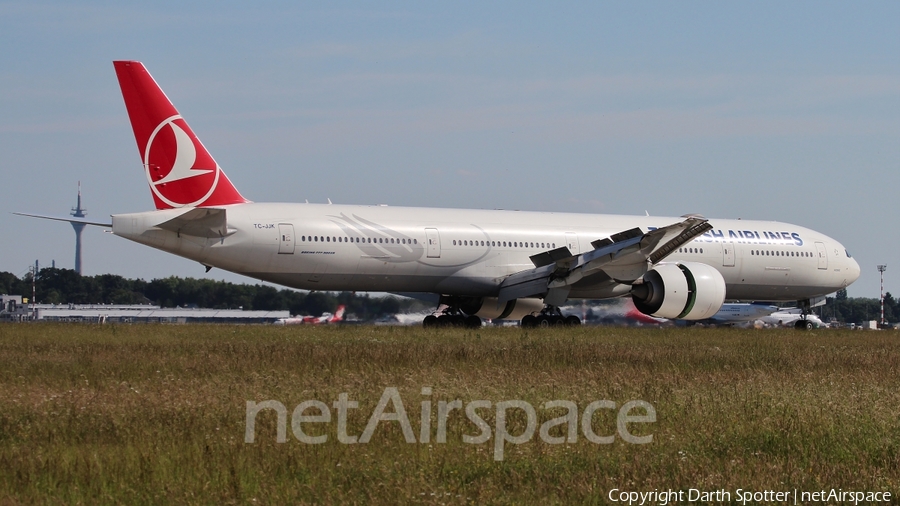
<point>881,269</point>
<point>78,212</point>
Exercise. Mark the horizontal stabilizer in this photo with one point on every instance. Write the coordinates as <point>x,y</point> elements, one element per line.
<point>70,220</point>
<point>199,222</point>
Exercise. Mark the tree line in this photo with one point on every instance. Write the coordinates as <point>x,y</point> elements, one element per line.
<point>859,309</point>
<point>65,286</point>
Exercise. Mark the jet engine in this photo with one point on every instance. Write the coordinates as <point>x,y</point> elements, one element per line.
<point>486,307</point>
<point>687,291</point>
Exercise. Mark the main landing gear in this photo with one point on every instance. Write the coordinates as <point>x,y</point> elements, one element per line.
<point>550,316</point>
<point>451,318</point>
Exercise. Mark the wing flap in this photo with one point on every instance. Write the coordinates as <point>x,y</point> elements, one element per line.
<point>554,256</point>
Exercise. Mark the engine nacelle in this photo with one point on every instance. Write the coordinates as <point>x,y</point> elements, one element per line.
<point>687,291</point>
<point>513,310</point>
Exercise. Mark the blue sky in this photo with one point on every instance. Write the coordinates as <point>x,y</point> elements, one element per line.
<point>763,110</point>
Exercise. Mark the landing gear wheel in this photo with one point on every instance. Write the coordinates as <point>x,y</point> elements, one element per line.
<point>573,321</point>
<point>544,321</point>
<point>804,325</point>
<point>473,322</point>
<point>430,321</point>
<point>529,321</point>
<point>446,320</point>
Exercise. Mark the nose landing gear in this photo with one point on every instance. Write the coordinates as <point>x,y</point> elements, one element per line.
<point>804,323</point>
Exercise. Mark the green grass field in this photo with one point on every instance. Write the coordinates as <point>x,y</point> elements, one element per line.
<point>157,413</point>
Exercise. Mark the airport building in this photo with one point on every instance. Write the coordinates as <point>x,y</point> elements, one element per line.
<point>13,309</point>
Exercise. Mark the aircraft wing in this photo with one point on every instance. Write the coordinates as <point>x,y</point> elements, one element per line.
<point>624,257</point>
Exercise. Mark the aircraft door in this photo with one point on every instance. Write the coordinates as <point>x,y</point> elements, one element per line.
<point>728,254</point>
<point>285,239</point>
<point>572,243</point>
<point>434,242</point>
<point>822,255</point>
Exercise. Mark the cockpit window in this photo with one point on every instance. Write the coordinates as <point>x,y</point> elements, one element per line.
<point>848,254</point>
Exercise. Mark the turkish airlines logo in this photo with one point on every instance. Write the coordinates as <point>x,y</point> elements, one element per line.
<point>179,169</point>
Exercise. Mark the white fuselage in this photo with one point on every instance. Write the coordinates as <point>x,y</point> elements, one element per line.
<point>470,252</point>
<point>742,312</point>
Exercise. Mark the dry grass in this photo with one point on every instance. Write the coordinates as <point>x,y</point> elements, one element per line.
<point>150,414</point>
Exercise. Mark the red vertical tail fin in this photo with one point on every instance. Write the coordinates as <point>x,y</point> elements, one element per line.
<point>338,314</point>
<point>180,171</point>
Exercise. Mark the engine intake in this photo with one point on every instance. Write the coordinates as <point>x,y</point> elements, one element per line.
<point>687,291</point>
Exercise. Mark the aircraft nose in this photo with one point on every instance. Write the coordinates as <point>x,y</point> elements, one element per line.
<point>854,270</point>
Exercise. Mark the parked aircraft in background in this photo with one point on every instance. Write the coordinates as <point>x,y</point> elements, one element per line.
<point>639,317</point>
<point>793,317</point>
<point>481,263</point>
<point>338,316</point>
<point>732,314</point>
<point>735,312</point>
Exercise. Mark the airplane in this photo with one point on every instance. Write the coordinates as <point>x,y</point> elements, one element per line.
<point>325,318</point>
<point>729,314</point>
<point>793,317</point>
<point>496,264</point>
<point>737,312</point>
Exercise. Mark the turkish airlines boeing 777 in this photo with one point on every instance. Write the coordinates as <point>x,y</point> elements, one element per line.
<point>480,263</point>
